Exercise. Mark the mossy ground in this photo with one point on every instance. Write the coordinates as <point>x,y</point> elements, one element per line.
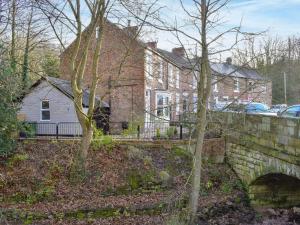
<point>146,187</point>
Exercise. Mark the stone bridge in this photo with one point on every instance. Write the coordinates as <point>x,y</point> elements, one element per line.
<point>264,151</point>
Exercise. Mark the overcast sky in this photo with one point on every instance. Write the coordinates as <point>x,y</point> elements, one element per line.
<point>280,17</point>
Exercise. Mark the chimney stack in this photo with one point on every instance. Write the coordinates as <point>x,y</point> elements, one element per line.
<point>179,51</point>
<point>131,30</point>
<point>229,60</point>
<point>152,44</point>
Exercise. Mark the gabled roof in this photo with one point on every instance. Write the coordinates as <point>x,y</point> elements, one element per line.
<point>226,69</point>
<point>65,87</point>
<point>221,69</point>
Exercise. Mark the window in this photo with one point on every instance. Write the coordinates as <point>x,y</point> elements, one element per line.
<point>161,71</point>
<point>170,73</point>
<point>264,87</point>
<point>236,85</point>
<point>195,75</point>
<point>97,32</point>
<point>177,103</point>
<point>216,100</point>
<point>195,102</point>
<point>177,78</point>
<point>149,61</point>
<point>215,84</point>
<point>45,110</point>
<point>251,86</point>
<point>162,105</point>
<point>185,104</point>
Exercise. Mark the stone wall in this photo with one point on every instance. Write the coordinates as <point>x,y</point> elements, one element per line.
<point>263,146</point>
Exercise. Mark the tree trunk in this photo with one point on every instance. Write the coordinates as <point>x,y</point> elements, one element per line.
<point>196,173</point>
<point>85,143</point>
<point>13,37</point>
<point>26,53</point>
<point>203,90</point>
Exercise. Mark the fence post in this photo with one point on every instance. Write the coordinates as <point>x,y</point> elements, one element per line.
<point>139,131</point>
<point>57,130</point>
<point>180,133</point>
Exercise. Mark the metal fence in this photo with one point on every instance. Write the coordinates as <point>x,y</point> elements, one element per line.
<point>65,129</point>
<point>119,130</point>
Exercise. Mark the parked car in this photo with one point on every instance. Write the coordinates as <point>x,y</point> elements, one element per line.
<point>290,112</point>
<point>258,108</point>
<point>278,108</point>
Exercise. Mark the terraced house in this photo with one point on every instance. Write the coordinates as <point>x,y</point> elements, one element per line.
<point>143,83</point>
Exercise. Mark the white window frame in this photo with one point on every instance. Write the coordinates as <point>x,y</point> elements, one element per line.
<point>171,75</point>
<point>177,103</point>
<point>97,32</point>
<point>195,102</point>
<point>43,110</point>
<point>216,100</point>
<point>236,86</point>
<point>177,72</point>
<point>165,104</point>
<point>149,64</point>
<point>161,71</point>
<point>215,85</point>
<point>194,84</point>
<point>185,97</point>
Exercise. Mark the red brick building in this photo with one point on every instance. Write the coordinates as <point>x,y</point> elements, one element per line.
<point>144,83</point>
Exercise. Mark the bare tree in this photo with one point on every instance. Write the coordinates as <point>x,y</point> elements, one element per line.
<point>205,18</point>
<point>84,20</point>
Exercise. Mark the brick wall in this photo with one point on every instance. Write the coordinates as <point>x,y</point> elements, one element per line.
<point>121,86</point>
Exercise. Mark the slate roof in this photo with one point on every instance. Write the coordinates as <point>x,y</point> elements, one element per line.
<point>221,69</point>
<point>65,87</point>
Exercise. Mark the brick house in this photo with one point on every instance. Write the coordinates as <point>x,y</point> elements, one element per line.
<point>154,84</point>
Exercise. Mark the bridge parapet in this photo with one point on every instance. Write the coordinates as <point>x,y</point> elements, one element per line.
<point>260,146</point>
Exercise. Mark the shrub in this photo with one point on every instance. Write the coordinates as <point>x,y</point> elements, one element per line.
<point>171,132</point>
<point>226,187</point>
<point>158,133</point>
<point>134,153</point>
<point>102,141</point>
<point>131,130</point>
<point>9,125</point>
<point>19,157</point>
<point>27,130</point>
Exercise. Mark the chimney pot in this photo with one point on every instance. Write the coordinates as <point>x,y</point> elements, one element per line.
<point>132,30</point>
<point>179,51</point>
<point>229,60</point>
<point>152,44</point>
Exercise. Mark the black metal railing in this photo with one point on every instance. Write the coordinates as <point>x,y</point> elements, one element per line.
<point>154,130</point>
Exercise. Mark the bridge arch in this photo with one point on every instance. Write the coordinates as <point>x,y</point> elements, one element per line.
<point>275,190</point>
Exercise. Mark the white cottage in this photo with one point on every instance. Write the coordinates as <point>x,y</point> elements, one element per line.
<point>49,105</point>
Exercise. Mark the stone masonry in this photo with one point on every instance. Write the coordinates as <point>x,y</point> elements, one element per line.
<point>264,151</point>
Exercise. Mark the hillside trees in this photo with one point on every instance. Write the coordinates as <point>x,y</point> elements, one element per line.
<point>24,34</point>
<point>9,91</point>
<point>274,58</point>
